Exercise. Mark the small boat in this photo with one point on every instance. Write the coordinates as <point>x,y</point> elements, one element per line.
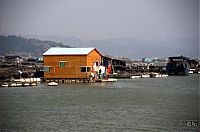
<point>157,75</point>
<point>198,72</point>
<point>4,85</point>
<point>135,76</point>
<point>191,72</point>
<point>164,75</point>
<point>18,84</point>
<point>33,84</point>
<point>26,84</point>
<point>145,76</point>
<point>109,80</point>
<point>53,84</point>
<point>13,85</point>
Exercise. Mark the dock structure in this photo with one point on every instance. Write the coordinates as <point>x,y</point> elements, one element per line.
<point>23,82</point>
<point>66,81</point>
<point>76,65</point>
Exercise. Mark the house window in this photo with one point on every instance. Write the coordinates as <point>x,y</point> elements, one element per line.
<point>46,69</point>
<point>85,69</point>
<point>62,64</point>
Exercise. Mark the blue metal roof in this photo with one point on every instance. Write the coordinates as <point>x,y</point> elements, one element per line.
<point>68,51</point>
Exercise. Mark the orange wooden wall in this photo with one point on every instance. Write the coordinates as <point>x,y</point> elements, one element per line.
<point>72,65</point>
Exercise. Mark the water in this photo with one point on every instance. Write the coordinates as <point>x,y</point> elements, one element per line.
<point>152,104</point>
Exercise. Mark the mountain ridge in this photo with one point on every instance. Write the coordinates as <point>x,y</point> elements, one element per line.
<point>137,49</point>
<point>126,47</point>
<point>12,44</point>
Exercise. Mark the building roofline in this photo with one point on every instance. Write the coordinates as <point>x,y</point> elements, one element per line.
<point>69,51</point>
<point>95,50</point>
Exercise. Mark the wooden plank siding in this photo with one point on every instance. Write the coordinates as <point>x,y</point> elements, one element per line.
<point>93,57</point>
<point>73,63</point>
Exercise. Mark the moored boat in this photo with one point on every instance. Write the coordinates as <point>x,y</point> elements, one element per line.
<point>109,80</point>
<point>155,75</point>
<point>26,84</point>
<point>191,71</point>
<point>53,84</point>
<point>178,66</point>
<point>145,76</point>
<point>18,84</point>
<point>164,75</point>
<point>13,85</point>
<point>135,76</point>
<point>4,85</point>
<point>33,84</point>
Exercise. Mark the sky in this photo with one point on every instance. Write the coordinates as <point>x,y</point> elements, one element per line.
<point>102,19</point>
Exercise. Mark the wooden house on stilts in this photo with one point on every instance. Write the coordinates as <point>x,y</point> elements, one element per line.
<point>70,63</point>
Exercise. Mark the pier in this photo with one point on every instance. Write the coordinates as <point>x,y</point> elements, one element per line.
<point>23,82</point>
<point>17,71</point>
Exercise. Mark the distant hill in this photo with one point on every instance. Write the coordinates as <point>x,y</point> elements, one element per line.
<point>16,45</point>
<point>128,47</point>
<point>137,49</point>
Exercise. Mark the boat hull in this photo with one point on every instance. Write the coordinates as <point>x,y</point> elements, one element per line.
<point>180,70</point>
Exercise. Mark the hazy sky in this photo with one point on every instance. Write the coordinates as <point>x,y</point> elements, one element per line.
<point>100,19</point>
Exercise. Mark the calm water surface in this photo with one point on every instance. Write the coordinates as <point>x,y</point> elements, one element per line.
<point>153,104</point>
